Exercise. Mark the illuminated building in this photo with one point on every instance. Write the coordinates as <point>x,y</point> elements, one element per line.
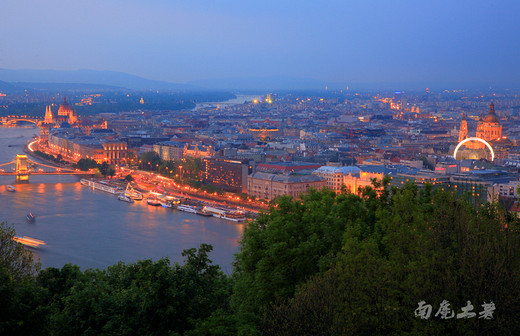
<point>49,118</point>
<point>268,186</point>
<point>463,130</point>
<point>73,146</point>
<point>66,114</point>
<point>228,174</point>
<point>170,150</point>
<point>489,130</point>
<point>489,127</point>
<point>198,150</point>
<point>349,178</point>
<point>264,133</point>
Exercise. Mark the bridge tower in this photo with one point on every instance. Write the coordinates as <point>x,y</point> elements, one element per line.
<point>22,170</point>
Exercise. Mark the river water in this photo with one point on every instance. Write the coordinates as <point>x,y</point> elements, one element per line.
<point>93,229</point>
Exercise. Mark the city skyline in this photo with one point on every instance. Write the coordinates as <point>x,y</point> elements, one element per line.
<point>358,44</point>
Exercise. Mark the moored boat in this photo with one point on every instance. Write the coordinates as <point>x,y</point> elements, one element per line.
<point>132,193</point>
<point>166,204</point>
<point>125,198</point>
<point>235,215</point>
<point>187,208</point>
<point>103,186</point>
<point>201,212</point>
<point>215,211</point>
<point>225,213</point>
<point>153,201</point>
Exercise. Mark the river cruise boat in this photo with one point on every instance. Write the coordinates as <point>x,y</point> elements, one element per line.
<point>103,186</point>
<point>235,215</point>
<point>125,198</point>
<point>225,213</point>
<point>187,208</point>
<point>10,188</point>
<point>132,193</point>
<point>28,241</point>
<point>30,217</point>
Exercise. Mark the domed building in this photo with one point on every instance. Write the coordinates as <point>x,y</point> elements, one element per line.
<point>489,128</point>
<point>52,120</point>
<point>66,114</point>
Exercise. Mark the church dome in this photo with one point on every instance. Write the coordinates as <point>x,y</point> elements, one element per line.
<point>491,117</point>
<point>65,108</point>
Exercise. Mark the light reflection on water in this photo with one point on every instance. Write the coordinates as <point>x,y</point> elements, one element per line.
<point>93,229</point>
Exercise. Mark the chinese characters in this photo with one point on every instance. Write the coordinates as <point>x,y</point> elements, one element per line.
<point>445,312</point>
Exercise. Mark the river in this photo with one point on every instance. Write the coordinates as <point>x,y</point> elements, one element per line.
<point>240,99</point>
<point>93,229</point>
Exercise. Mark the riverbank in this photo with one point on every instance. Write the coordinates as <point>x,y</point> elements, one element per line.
<point>150,182</point>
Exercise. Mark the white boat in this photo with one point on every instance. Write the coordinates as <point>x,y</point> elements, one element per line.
<point>28,241</point>
<point>216,212</point>
<point>103,186</point>
<point>235,216</point>
<point>187,208</point>
<point>225,213</point>
<point>11,188</point>
<point>132,193</point>
<point>125,198</point>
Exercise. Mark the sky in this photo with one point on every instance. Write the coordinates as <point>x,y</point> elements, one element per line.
<point>341,41</point>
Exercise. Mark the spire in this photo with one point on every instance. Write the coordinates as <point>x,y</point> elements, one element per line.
<point>491,108</point>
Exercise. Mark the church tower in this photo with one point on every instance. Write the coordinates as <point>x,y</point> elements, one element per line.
<point>49,119</point>
<point>463,130</point>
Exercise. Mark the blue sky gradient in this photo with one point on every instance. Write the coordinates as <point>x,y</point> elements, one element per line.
<point>362,41</point>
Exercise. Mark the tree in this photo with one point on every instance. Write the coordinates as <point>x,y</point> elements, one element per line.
<point>111,171</point>
<point>150,160</point>
<point>104,168</point>
<point>14,257</point>
<point>20,298</point>
<point>146,297</point>
<point>296,240</point>
<point>131,158</point>
<point>417,245</point>
<point>85,164</point>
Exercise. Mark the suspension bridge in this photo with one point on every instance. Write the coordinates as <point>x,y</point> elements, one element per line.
<point>22,167</point>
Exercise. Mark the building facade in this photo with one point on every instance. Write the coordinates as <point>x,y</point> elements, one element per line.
<point>228,174</point>
<point>268,186</point>
<point>73,146</point>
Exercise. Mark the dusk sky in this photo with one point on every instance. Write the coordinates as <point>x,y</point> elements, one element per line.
<point>347,41</point>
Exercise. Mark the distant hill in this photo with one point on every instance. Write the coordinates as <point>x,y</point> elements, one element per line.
<point>261,83</point>
<point>4,86</point>
<point>93,78</point>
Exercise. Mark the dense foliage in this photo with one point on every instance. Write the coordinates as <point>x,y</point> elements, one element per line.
<point>50,157</point>
<point>325,264</point>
